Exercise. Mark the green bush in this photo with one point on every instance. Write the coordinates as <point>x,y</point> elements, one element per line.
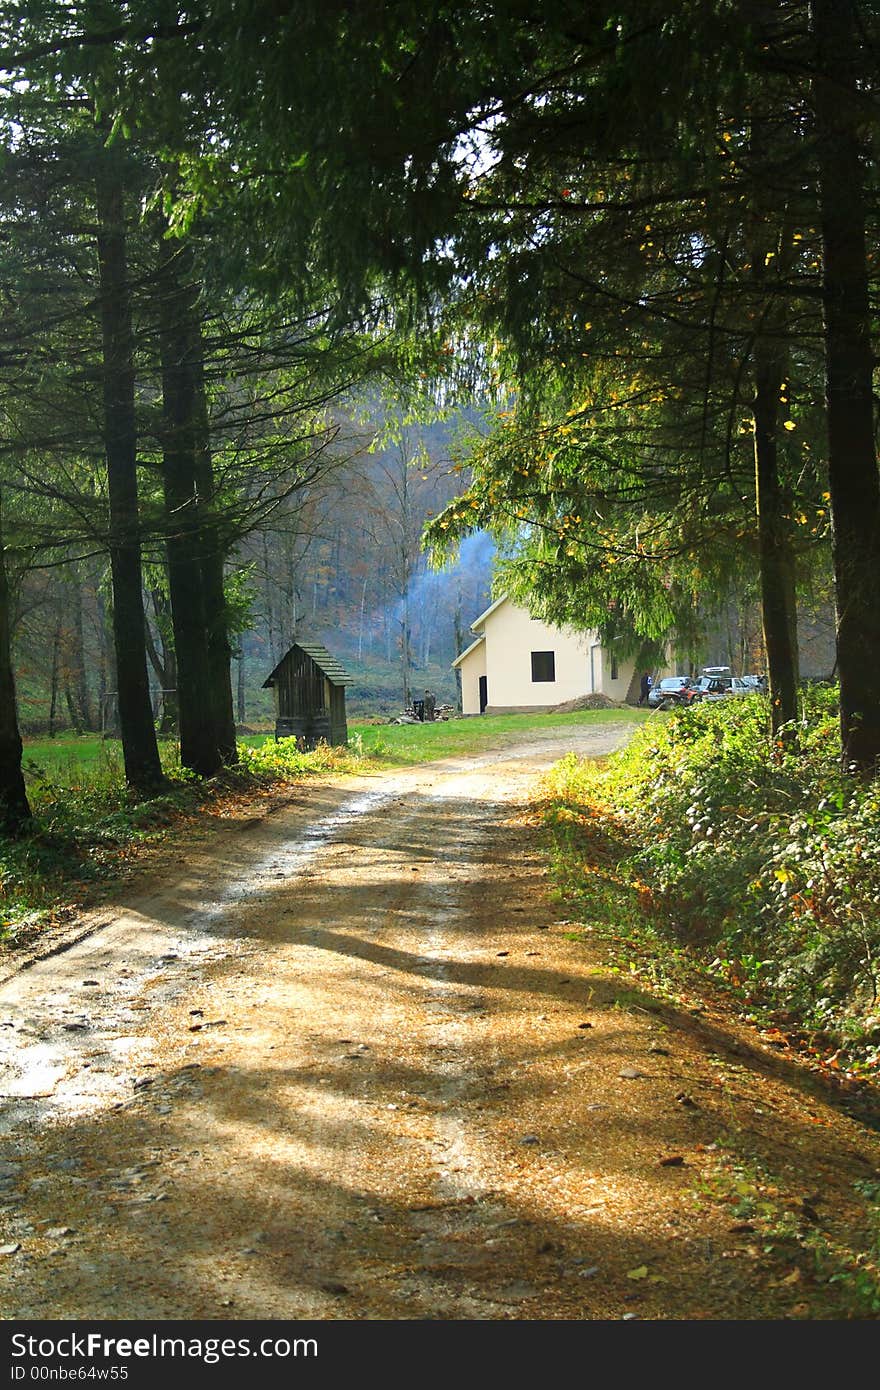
<point>762,853</point>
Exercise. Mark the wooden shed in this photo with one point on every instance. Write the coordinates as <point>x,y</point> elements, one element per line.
<point>309,688</point>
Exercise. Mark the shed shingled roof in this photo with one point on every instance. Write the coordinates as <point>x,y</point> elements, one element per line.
<point>331,666</point>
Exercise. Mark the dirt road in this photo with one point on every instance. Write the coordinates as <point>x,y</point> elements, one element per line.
<point>347,1062</point>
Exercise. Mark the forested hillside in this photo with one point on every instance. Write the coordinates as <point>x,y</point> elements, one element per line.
<point>341,561</point>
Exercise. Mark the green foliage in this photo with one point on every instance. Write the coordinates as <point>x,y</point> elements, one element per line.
<point>844,1273</point>
<point>592,531</point>
<point>277,759</point>
<point>762,856</point>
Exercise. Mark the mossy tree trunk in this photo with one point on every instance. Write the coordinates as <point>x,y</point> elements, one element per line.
<point>140,751</point>
<point>852,456</point>
<point>15,812</point>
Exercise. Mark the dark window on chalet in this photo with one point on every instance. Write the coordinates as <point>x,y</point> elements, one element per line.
<point>543,666</point>
<point>614,671</point>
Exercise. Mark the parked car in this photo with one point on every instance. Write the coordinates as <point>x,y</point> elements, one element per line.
<point>740,685</point>
<point>713,688</point>
<point>720,684</point>
<point>717,673</point>
<point>672,690</point>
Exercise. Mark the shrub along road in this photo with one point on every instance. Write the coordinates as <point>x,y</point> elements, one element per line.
<point>348,1059</point>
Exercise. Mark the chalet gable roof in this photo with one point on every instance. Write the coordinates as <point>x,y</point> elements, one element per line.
<point>478,622</point>
<point>472,648</point>
<point>331,666</point>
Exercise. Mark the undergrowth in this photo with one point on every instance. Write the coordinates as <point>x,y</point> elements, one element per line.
<point>753,860</point>
<point>831,1273</point>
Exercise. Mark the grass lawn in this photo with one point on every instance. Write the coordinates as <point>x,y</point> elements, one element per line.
<point>70,759</point>
<point>414,743</point>
<point>418,743</point>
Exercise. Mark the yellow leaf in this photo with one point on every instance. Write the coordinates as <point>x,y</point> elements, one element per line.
<point>789,424</point>
<point>640,1273</point>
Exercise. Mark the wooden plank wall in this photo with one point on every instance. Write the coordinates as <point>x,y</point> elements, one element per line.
<point>301,687</point>
<point>307,706</point>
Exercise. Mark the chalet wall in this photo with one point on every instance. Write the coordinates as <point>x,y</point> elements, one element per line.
<point>472,668</point>
<point>512,635</point>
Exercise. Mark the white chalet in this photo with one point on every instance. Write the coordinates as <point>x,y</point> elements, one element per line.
<point>520,663</point>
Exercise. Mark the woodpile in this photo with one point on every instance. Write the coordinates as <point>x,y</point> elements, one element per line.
<point>410,716</point>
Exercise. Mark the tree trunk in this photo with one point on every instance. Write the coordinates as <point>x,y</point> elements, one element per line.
<point>15,813</point>
<point>771,238</point>
<point>852,459</point>
<point>72,710</point>
<point>242,706</point>
<point>213,561</point>
<point>776,560</point>
<point>107,671</point>
<point>170,721</point>
<point>53,691</point>
<point>164,662</point>
<point>406,651</point>
<point>77,664</point>
<point>361,623</point>
<point>184,532</point>
<point>140,751</point>
<point>429,608</point>
<point>458,639</point>
<point>267,596</point>
<point>192,479</point>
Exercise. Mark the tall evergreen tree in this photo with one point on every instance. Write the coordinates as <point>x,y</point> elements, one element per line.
<point>845,88</point>
<point>139,746</point>
<point>14,808</point>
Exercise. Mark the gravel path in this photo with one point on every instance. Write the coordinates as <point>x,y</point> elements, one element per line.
<point>350,1063</point>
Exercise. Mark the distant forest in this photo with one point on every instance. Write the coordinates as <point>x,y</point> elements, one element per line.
<point>348,568</point>
<point>340,562</point>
